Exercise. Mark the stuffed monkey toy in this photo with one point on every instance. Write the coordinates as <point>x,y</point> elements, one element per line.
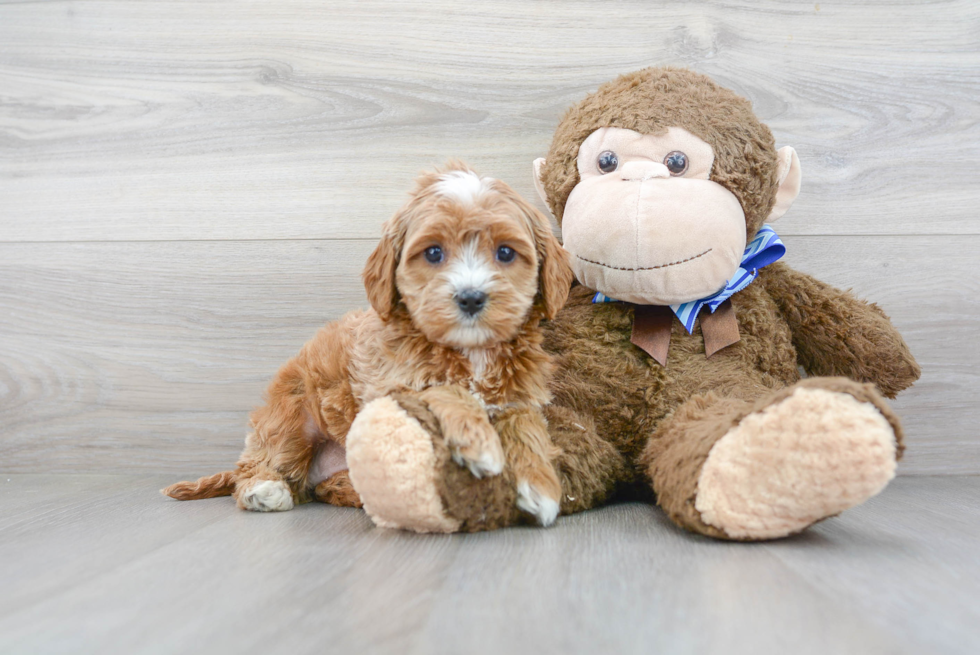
<point>678,355</point>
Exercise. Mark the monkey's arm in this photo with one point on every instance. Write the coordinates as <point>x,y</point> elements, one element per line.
<point>837,334</point>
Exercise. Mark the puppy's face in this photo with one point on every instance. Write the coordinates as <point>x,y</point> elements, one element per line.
<point>468,253</point>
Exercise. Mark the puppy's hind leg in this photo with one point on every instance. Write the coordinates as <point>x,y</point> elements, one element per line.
<point>274,468</point>
<point>265,490</point>
<point>338,490</point>
<point>530,453</point>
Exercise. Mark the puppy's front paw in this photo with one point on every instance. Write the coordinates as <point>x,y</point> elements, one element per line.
<point>474,443</point>
<point>267,496</point>
<point>536,501</point>
<point>483,464</point>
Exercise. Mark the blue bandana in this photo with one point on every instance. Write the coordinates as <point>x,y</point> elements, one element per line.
<point>763,250</point>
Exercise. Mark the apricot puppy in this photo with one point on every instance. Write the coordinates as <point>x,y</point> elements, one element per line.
<point>458,285</point>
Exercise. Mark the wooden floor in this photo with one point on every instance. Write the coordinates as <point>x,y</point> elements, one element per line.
<point>103,564</point>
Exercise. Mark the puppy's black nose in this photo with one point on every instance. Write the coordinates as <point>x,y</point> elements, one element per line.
<point>471,301</point>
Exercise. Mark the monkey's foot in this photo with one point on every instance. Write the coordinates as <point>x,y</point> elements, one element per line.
<point>803,458</point>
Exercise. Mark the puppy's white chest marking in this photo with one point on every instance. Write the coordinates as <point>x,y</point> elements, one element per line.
<point>479,360</point>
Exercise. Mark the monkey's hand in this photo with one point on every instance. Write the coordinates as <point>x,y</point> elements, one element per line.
<point>837,334</point>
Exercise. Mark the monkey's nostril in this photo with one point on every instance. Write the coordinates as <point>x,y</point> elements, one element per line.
<point>471,301</point>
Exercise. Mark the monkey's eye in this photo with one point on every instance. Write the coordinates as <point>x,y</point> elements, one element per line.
<point>607,162</point>
<point>505,254</point>
<point>433,254</point>
<point>676,162</point>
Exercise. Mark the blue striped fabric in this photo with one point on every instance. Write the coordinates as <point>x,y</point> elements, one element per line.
<point>763,250</point>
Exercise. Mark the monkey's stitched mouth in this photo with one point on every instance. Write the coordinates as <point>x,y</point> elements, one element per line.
<point>648,268</point>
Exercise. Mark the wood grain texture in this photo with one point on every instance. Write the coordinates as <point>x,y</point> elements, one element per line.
<point>148,356</point>
<point>188,189</point>
<point>108,565</point>
<point>280,120</point>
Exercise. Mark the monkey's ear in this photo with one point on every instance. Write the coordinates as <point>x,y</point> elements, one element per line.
<point>790,177</point>
<point>379,272</point>
<point>538,184</point>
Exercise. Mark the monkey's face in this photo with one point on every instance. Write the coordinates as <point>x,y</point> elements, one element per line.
<point>646,224</point>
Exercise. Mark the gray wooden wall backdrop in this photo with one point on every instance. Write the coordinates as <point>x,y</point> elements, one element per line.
<point>188,189</point>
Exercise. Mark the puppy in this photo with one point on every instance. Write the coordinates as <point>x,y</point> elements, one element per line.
<point>458,284</point>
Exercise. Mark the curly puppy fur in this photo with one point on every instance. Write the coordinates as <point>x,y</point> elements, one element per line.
<point>419,338</point>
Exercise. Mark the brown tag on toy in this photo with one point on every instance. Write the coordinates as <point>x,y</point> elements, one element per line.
<point>651,330</point>
<point>719,329</point>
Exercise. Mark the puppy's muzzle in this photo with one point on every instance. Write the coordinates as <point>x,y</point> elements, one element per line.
<point>471,301</point>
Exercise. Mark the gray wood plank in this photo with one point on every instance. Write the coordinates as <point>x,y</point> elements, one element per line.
<point>175,120</point>
<point>148,356</point>
<point>51,542</point>
<point>141,573</point>
<point>668,592</point>
<point>26,498</point>
<point>872,560</point>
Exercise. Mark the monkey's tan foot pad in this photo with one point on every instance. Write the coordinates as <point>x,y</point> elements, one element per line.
<point>810,456</point>
<point>393,468</point>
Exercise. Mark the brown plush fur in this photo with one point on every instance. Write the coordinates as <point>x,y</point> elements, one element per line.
<point>834,334</point>
<point>678,449</point>
<point>623,420</point>
<point>416,339</point>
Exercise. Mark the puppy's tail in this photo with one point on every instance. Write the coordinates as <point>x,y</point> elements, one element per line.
<point>219,484</point>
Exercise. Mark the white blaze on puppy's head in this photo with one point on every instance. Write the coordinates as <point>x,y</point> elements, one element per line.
<point>465,187</point>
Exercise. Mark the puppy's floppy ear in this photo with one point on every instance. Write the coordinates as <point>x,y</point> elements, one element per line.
<point>554,266</point>
<point>379,272</point>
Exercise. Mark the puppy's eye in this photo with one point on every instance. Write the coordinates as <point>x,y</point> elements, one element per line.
<point>433,254</point>
<point>505,254</point>
<point>676,162</point>
<point>607,162</point>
